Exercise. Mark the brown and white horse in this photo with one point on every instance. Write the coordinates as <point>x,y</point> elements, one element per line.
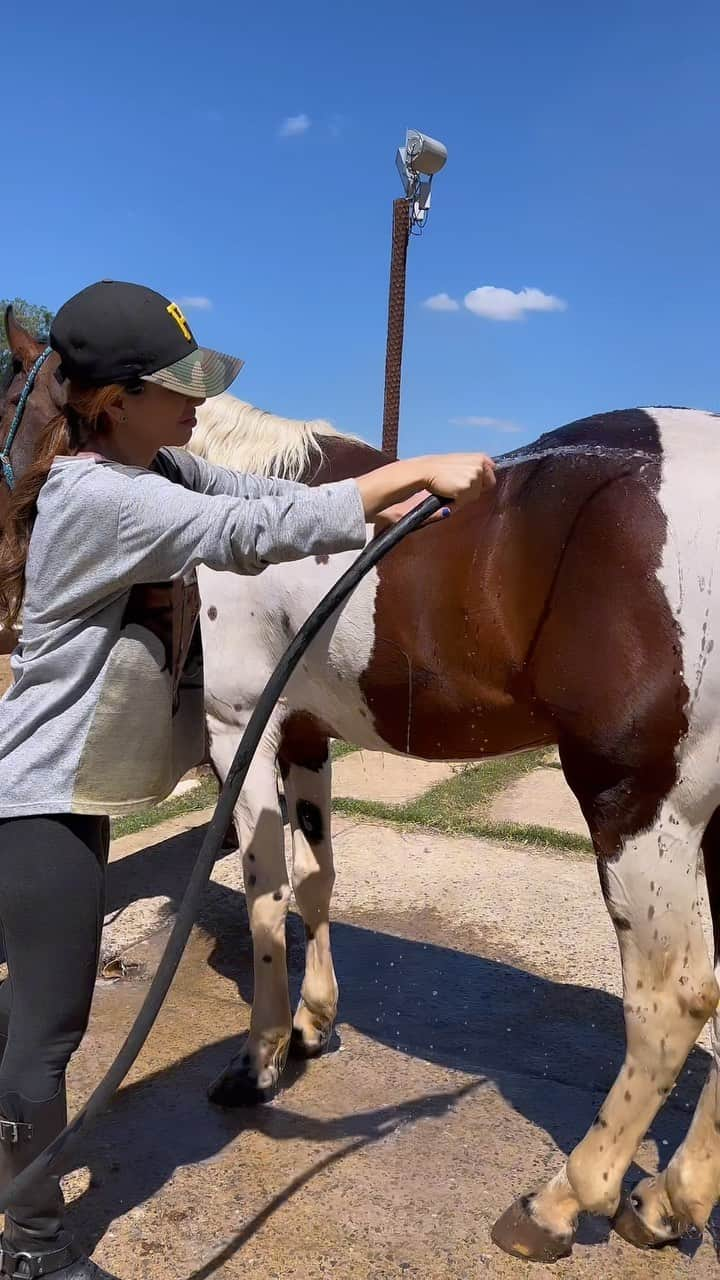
<point>578,606</point>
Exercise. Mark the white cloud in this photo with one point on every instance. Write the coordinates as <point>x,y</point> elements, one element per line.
<point>294,126</point>
<point>480,420</point>
<point>441,302</point>
<point>196,303</point>
<point>504,304</point>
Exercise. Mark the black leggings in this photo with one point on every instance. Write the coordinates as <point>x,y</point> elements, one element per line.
<point>52,903</point>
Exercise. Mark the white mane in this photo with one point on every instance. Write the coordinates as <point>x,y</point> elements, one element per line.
<point>235,434</point>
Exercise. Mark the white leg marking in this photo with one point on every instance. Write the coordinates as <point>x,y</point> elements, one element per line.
<point>259,825</point>
<point>313,877</point>
<point>669,992</point>
<point>685,1193</point>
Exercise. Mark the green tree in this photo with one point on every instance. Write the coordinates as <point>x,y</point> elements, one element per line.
<point>36,320</point>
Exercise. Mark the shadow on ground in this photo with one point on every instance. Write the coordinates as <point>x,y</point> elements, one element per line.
<point>552,1049</point>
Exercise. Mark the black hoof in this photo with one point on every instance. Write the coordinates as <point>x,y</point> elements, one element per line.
<point>629,1224</point>
<point>236,1087</point>
<point>518,1234</point>
<point>301,1048</point>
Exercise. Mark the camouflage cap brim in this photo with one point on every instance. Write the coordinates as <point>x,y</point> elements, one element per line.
<point>202,373</point>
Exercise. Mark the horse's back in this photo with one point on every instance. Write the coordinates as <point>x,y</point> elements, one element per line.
<point>605,520</point>
<point>658,432</point>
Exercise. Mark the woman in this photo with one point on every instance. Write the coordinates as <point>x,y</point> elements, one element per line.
<point>105,713</point>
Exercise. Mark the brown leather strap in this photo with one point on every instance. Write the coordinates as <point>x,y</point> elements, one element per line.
<point>169,610</point>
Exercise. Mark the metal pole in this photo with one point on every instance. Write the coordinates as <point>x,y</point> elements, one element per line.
<point>396,326</point>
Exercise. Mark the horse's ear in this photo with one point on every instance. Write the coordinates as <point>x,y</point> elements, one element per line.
<point>23,346</point>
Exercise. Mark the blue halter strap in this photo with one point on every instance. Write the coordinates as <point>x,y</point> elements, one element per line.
<point>5,463</point>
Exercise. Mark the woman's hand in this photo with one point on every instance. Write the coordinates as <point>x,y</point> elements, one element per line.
<point>394,514</point>
<point>459,477</point>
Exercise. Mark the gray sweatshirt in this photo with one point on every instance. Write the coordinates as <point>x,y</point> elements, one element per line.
<point>104,716</point>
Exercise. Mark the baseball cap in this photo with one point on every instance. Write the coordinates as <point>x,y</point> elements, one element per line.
<point>118,332</point>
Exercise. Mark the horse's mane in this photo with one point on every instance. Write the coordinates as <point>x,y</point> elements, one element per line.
<point>235,434</point>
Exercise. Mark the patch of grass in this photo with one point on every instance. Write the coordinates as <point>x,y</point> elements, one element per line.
<point>538,837</point>
<point>202,797</point>
<point>458,806</point>
<point>455,807</point>
<point>451,802</point>
<point>340,749</point>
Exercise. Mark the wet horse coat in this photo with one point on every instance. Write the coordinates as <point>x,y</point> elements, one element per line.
<point>575,606</point>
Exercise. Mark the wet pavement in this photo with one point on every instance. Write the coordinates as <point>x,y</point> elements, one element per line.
<point>475,1042</point>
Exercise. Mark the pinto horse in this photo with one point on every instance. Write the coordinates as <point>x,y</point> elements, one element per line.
<point>577,606</point>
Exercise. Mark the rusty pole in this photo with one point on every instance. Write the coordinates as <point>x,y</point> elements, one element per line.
<point>396,326</point>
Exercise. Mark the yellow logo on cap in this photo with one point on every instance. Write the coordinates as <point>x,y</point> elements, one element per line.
<point>177,315</point>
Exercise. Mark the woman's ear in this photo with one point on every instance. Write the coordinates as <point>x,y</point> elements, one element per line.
<point>116,412</point>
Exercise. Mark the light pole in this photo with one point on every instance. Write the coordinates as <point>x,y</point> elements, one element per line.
<point>418,162</point>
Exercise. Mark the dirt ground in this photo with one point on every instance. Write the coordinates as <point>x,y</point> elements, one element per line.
<point>371,775</point>
<point>474,1046</point>
<point>480,1026</point>
<point>542,796</point>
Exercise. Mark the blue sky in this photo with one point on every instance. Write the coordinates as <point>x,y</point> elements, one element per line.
<point>148,141</point>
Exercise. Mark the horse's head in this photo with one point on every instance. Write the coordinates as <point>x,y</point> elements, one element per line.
<point>45,400</point>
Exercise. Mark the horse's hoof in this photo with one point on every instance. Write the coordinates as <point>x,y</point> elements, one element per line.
<point>236,1086</point>
<point>311,1033</point>
<point>518,1234</point>
<point>632,1227</point>
<point>309,1041</point>
<point>302,1047</point>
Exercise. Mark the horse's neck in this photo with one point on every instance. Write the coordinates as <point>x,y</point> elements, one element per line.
<point>343,459</point>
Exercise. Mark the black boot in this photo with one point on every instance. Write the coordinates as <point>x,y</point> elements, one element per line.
<point>35,1242</point>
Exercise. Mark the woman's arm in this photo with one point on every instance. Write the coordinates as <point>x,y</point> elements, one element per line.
<point>459,477</point>
<point>206,477</point>
<point>165,529</point>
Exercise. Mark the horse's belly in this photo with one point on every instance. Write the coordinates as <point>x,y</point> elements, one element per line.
<point>247,624</point>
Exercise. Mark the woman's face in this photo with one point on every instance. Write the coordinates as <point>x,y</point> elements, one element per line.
<point>143,422</point>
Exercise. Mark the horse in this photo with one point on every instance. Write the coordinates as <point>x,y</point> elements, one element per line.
<point>576,606</point>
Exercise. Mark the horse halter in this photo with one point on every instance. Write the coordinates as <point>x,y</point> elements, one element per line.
<point>7,469</point>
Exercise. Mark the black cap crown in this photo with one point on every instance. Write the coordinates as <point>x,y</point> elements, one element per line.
<point>115,332</point>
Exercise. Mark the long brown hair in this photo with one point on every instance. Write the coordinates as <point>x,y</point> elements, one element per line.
<point>82,416</point>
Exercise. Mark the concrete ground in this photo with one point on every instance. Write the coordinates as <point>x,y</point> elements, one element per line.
<point>373,775</point>
<point>480,1025</point>
<point>542,796</point>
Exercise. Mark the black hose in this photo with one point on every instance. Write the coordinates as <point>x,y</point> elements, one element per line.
<point>214,836</point>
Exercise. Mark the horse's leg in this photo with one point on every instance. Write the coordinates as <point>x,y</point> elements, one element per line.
<point>307,792</point>
<point>684,1194</point>
<point>649,881</point>
<point>253,1074</point>
<point>230,839</point>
